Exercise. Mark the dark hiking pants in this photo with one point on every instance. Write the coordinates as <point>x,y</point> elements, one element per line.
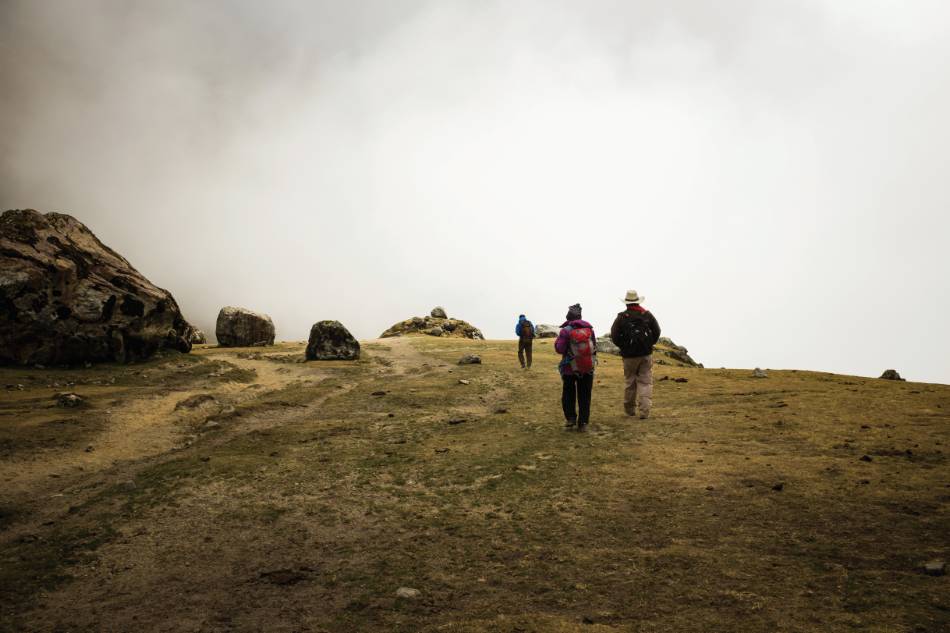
<point>577,388</point>
<point>524,349</point>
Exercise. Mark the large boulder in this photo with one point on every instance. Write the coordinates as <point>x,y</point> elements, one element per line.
<point>238,327</point>
<point>438,312</point>
<point>67,298</point>
<point>546,331</point>
<point>198,337</point>
<point>606,346</point>
<point>434,326</point>
<point>329,340</point>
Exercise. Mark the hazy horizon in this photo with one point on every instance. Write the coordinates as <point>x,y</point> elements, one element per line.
<point>773,178</point>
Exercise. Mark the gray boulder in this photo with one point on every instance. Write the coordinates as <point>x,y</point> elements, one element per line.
<point>758,372</point>
<point>436,331</point>
<point>470,359</point>
<point>438,312</point>
<point>329,340</point>
<point>891,374</point>
<point>67,298</point>
<point>605,345</point>
<point>198,337</point>
<point>239,327</point>
<point>546,331</point>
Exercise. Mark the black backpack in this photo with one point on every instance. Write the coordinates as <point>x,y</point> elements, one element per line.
<point>635,337</point>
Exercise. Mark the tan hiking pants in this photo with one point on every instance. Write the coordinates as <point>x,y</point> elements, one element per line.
<point>638,377</point>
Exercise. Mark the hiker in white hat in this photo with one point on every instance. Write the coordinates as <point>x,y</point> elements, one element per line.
<point>635,331</point>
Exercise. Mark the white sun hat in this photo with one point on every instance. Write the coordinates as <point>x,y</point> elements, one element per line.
<point>633,297</point>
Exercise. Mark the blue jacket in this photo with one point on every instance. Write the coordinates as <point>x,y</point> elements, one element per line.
<point>522,320</point>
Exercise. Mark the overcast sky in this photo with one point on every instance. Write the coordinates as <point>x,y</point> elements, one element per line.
<point>773,176</point>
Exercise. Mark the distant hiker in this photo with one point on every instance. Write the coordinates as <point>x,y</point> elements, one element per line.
<point>577,345</point>
<point>635,331</point>
<point>525,332</point>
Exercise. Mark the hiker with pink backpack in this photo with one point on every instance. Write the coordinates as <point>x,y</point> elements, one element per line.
<point>578,348</point>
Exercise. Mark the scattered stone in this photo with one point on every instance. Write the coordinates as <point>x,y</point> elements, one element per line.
<point>779,487</point>
<point>865,458</point>
<point>436,331</point>
<point>198,337</point>
<point>329,340</point>
<point>68,400</point>
<point>546,331</point>
<point>663,378</point>
<point>864,482</point>
<point>90,449</point>
<point>407,593</point>
<point>470,359</point>
<point>681,380</point>
<point>211,424</point>
<point>378,393</point>
<point>455,421</point>
<point>193,402</point>
<point>935,568</point>
<point>239,327</point>
<point>501,410</point>
<point>759,373</point>
<point>205,458</point>
<point>441,450</point>
<point>891,374</point>
<point>68,299</point>
<point>438,312</point>
<point>462,381</point>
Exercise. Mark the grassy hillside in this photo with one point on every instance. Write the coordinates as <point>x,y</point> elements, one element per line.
<point>242,490</point>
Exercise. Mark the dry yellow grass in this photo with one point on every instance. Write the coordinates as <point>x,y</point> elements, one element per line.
<point>308,501</point>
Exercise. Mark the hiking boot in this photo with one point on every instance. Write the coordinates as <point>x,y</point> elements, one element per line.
<point>644,415</point>
<point>582,428</point>
<point>630,412</point>
<point>569,424</point>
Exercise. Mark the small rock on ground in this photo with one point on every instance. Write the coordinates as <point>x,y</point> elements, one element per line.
<point>935,568</point>
<point>470,359</point>
<point>407,592</point>
<point>68,400</point>
<point>759,373</point>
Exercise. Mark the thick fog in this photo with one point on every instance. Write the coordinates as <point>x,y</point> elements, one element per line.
<point>773,176</point>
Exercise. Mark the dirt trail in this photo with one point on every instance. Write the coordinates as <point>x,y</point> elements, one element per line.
<point>143,427</point>
<point>400,357</point>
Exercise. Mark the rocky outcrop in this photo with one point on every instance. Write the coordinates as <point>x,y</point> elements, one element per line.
<point>198,337</point>
<point>546,331</point>
<point>664,349</point>
<point>329,340</point>
<point>891,374</point>
<point>67,298</point>
<point>678,353</point>
<point>238,327</point>
<point>606,346</point>
<point>434,326</point>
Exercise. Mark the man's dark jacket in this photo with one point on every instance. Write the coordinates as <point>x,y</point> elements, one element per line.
<point>636,312</point>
